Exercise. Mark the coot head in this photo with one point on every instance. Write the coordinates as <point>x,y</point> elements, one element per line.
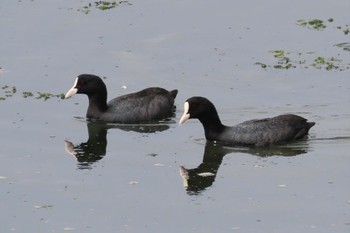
<point>88,84</point>
<point>200,108</point>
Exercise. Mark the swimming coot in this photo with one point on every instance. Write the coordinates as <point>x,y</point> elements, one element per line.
<point>262,132</point>
<point>147,105</point>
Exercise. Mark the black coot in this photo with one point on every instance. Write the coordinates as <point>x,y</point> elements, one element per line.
<point>148,105</point>
<point>262,132</point>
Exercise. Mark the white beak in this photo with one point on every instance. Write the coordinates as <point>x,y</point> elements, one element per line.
<point>72,91</point>
<point>186,115</point>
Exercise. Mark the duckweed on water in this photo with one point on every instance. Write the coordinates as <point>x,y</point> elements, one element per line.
<point>8,91</point>
<point>27,94</point>
<point>327,63</point>
<point>43,95</point>
<point>46,95</point>
<point>318,24</point>
<point>103,5</point>
<point>288,60</point>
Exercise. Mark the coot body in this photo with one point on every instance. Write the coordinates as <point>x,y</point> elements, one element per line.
<point>150,104</point>
<point>261,132</point>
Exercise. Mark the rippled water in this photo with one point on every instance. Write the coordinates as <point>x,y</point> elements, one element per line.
<point>60,173</point>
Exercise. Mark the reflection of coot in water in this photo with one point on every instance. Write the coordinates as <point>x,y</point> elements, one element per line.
<point>262,132</point>
<point>144,128</point>
<point>196,180</point>
<point>95,148</point>
<point>148,105</point>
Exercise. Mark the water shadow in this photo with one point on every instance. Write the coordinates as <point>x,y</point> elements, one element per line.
<point>198,179</point>
<point>94,149</point>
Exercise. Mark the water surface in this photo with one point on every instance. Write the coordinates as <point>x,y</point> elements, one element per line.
<point>60,173</point>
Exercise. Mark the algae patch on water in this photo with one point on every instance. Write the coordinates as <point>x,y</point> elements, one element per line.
<point>287,60</point>
<point>102,5</point>
<point>7,91</point>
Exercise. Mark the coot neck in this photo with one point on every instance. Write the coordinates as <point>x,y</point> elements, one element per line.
<point>98,101</point>
<point>212,125</point>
